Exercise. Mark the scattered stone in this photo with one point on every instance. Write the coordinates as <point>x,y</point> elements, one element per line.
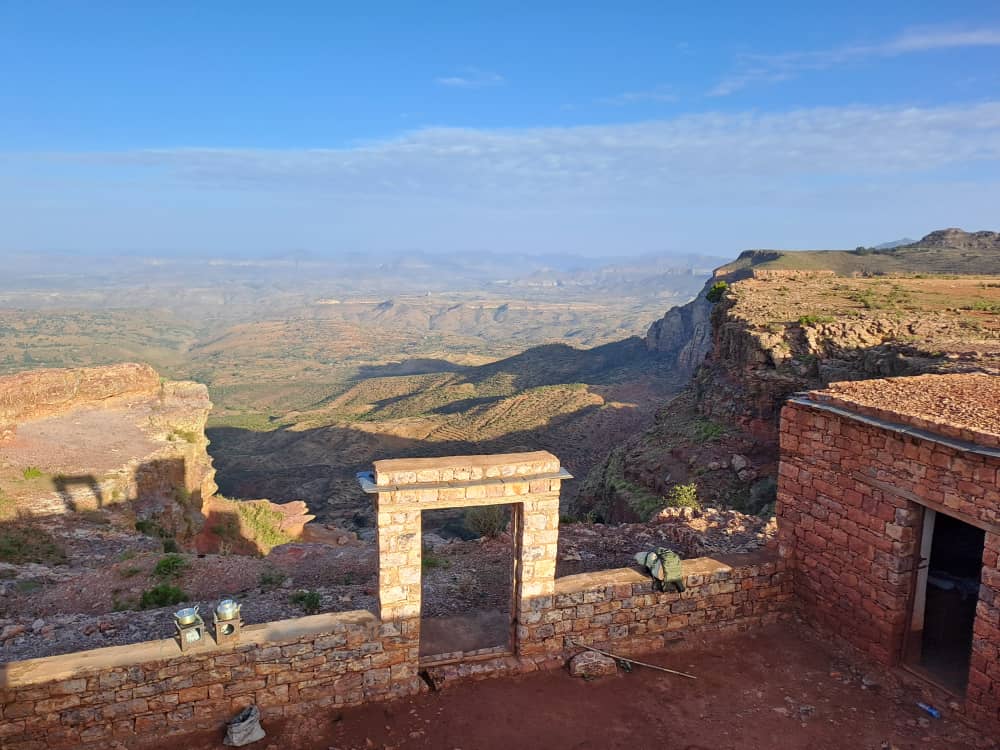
<point>739,463</point>
<point>11,631</point>
<point>590,665</point>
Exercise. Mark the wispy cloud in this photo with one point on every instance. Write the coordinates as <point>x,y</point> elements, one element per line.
<point>662,94</point>
<point>471,78</point>
<point>718,182</point>
<point>657,157</point>
<point>754,69</point>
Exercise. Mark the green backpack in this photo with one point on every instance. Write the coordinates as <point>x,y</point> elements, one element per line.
<point>665,567</point>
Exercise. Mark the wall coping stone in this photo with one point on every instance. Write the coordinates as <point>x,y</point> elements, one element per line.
<point>63,666</point>
<point>694,566</point>
<point>367,481</point>
<point>447,462</point>
<point>965,446</point>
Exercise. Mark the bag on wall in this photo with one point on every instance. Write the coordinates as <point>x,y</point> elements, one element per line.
<point>245,728</point>
<point>664,566</point>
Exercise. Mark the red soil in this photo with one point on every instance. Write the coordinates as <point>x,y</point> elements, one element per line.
<point>777,689</point>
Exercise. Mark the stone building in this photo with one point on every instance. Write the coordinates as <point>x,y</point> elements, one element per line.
<point>889,520</point>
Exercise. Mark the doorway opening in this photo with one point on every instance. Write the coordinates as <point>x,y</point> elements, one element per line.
<point>467,582</point>
<point>939,643</point>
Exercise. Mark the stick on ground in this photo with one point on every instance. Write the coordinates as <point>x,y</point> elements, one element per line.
<point>639,663</point>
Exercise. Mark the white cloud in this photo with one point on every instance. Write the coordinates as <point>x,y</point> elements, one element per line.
<point>660,156</point>
<point>714,182</point>
<point>472,78</point>
<point>661,94</point>
<point>753,69</point>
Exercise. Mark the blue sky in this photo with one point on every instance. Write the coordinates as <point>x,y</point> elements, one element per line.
<point>597,128</point>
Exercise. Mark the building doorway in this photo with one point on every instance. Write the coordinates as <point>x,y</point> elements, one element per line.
<point>467,582</point>
<point>939,643</point>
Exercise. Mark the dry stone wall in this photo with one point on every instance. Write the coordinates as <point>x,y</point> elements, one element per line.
<point>850,499</point>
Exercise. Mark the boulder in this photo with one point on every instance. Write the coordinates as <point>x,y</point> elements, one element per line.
<point>591,665</point>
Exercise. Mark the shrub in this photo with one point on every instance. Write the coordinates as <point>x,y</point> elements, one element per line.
<point>169,566</point>
<point>161,595</point>
<point>812,320</point>
<point>706,430</point>
<point>262,524</point>
<point>429,560</point>
<point>170,545</point>
<point>715,292</point>
<point>187,436</point>
<point>8,509</point>
<point>32,472</point>
<point>22,543</point>
<point>309,601</point>
<point>488,520</point>
<point>683,496</point>
<point>271,578</point>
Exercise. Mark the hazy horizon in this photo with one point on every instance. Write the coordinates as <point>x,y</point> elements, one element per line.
<point>251,131</point>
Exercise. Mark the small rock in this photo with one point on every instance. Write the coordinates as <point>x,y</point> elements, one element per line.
<point>11,631</point>
<point>37,625</point>
<point>591,665</point>
<point>869,682</point>
<point>739,462</point>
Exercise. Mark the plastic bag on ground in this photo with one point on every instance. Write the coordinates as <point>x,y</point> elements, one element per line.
<point>245,728</point>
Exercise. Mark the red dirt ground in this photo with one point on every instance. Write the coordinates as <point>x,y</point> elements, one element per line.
<point>779,689</point>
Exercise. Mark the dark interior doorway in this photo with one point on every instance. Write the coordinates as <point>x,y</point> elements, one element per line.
<point>940,643</point>
<point>467,582</point>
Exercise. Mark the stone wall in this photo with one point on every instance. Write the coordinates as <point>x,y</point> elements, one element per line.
<point>150,689</point>
<point>145,691</point>
<point>851,494</point>
<point>619,608</point>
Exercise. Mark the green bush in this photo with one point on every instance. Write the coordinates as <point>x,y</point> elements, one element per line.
<point>271,578</point>
<point>683,496</point>
<point>32,472</point>
<point>309,601</point>
<point>488,520</point>
<point>263,524</point>
<point>811,320</point>
<point>429,560</point>
<point>715,292</point>
<point>169,566</point>
<point>705,430</point>
<point>161,595</point>
<point>22,543</point>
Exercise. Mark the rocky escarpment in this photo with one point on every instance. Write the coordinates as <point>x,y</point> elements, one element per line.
<point>772,338</point>
<point>684,334</point>
<point>43,393</point>
<point>115,438</point>
<point>772,335</point>
<point>960,240</point>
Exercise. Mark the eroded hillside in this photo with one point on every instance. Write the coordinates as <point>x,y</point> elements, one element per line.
<point>773,335</point>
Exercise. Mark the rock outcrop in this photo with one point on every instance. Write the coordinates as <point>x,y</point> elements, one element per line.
<point>684,333</point>
<point>114,438</point>
<point>960,240</point>
<point>42,393</point>
<point>772,335</point>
